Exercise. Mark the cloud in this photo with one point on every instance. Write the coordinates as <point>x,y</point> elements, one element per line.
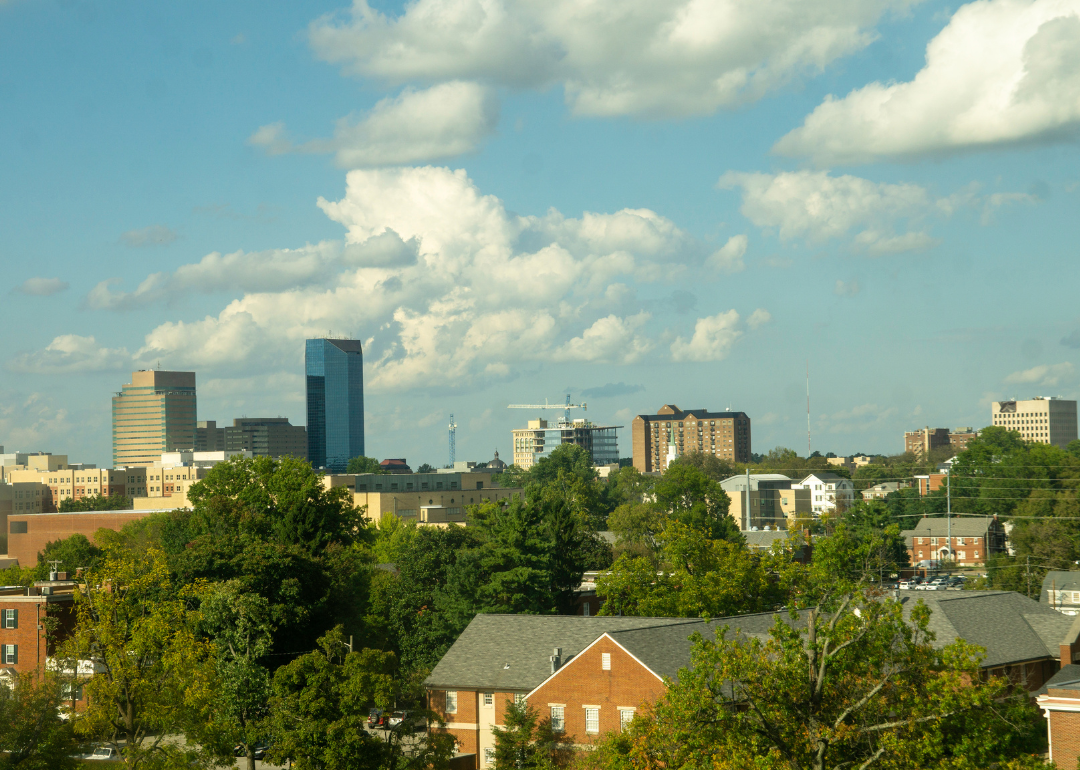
<point>712,341</point>
<point>1001,72</point>
<point>729,257</point>
<point>155,235</point>
<point>858,418</point>
<point>818,206</point>
<point>443,284</point>
<point>40,287</point>
<point>612,390</point>
<point>758,318</point>
<point>70,354</point>
<point>1072,340</point>
<point>31,421</point>
<point>846,288</point>
<point>1048,375</point>
<point>611,57</point>
<point>446,120</point>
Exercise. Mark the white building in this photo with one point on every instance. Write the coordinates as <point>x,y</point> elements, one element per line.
<point>1040,420</point>
<point>826,491</point>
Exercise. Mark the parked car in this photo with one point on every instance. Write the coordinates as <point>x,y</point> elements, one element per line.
<point>907,585</point>
<point>376,718</point>
<point>103,753</point>
<point>260,749</point>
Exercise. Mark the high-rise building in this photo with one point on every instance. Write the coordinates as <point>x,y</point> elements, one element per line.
<point>1039,420</point>
<point>335,402</point>
<point>539,440</point>
<point>262,436</point>
<point>661,437</point>
<point>154,413</point>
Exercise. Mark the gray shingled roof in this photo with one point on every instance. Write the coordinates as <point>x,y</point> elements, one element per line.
<point>1008,625</point>
<point>1068,678</point>
<point>962,526</point>
<point>1061,581</point>
<point>512,652</point>
<point>763,539</point>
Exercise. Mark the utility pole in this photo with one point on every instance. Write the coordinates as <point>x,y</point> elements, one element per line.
<point>948,510</point>
<point>1028,570</point>
<point>747,498</point>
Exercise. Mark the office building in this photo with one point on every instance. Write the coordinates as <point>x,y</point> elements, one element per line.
<point>335,402</point>
<point>921,442</point>
<point>762,508</point>
<point>1038,420</point>
<point>660,438</point>
<point>433,499</point>
<point>541,437</point>
<point>261,436</point>
<point>154,413</point>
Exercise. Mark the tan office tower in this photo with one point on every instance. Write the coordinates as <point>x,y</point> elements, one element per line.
<point>1039,420</point>
<point>154,413</point>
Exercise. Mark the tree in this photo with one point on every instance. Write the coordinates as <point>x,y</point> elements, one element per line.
<point>687,495</point>
<point>527,742</point>
<point>709,464</point>
<point>238,626</point>
<point>425,468</point>
<point>32,735</point>
<point>363,464</point>
<point>72,552</point>
<point>152,677</point>
<point>96,503</point>
<point>850,683</point>
<point>320,705</point>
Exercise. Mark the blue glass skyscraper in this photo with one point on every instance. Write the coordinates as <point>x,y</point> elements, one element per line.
<point>335,402</point>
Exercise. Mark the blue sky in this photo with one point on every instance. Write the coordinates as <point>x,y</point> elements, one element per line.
<point>641,203</point>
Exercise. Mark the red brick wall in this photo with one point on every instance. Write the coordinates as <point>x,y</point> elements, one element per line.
<point>43,528</point>
<point>1065,738</point>
<point>584,682</point>
<point>467,704</point>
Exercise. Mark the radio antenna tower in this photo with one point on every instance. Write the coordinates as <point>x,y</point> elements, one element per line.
<point>808,409</point>
<point>453,433</point>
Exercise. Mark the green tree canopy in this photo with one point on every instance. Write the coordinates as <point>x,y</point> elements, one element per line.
<point>363,464</point>
<point>95,503</point>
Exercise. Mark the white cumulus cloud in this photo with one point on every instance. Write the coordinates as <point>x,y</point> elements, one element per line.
<point>1048,375</point>
<point>729,257</point>
<point>446,120</point>
<point>40,287</point>
<point>70,353</point>
<point>612,57</point>
<point>1000,72</point>
<point>444,285</point>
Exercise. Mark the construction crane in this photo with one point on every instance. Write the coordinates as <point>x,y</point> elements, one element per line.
<point>546,405</point>
<point>453,435</point>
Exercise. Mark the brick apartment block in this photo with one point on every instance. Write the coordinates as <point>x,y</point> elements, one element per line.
<point>589,675</point>
<point>968,540</point>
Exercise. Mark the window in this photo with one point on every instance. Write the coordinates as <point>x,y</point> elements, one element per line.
<point>1076,597</point>
<point>626,716</point>
<point>11,619</point>
<point>519,698</point>
<point>592,719</point>
<point>18,528</point>
<point>558,719</point>
<point>586,610</point>
<point>605,661</point>
<point>451,702</point>
<point>976,556</point>
<point>489,699</point>
<point>68,692</point>
<point>10,654</point>
<point>489,756</point>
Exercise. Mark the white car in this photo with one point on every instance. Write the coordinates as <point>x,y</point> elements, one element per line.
<point>103,753</point>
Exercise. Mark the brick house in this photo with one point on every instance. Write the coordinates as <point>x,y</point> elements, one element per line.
<point>33,620</point>
<point>589,675</point>
<point>1059,700</point>
<point>973,539</point>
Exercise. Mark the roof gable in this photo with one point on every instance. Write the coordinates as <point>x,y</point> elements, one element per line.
<point>573,663</point>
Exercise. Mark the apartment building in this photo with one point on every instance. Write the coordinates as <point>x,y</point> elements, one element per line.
<point>883,490</point>
<point>761,508</point>
<point>542,437</point>
<point>967,540</point>
<point>79,482</point>
<point>438,499</point>
<point>660,438</point>
<point>33,620</point>
<point>827,492</point>
<point>154,413</point>
<point>1040,420</point>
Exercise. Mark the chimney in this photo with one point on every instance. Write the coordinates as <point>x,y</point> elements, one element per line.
<point>556,659</point>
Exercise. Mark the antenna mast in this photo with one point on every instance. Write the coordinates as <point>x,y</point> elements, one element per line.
<point>453,434</point>
<point>808,409</point>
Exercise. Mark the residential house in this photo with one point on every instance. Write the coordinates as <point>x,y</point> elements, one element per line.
<point>883,490</point>
<point>827,491</point>
<point>1059,700</point>
<point>1061,591</point>
<point>589,675</point>
<point>967,540</point>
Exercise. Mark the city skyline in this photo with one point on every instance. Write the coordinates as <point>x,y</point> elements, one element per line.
<point>534,213</point>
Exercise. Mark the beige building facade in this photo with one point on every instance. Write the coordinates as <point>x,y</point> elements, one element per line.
<point>1040,420</point>
<point>152,414</point>
<point>436,499</point>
